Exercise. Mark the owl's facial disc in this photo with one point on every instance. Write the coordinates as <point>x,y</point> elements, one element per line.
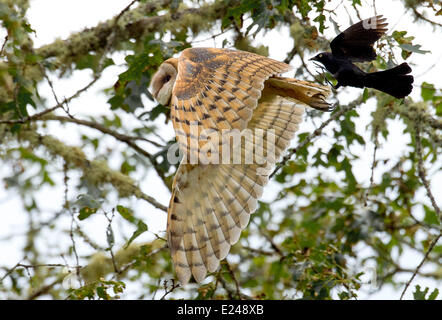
<point>162,83</point>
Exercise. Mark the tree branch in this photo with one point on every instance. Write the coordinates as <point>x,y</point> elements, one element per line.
<point>47,111</point>
<point>133,24</point>
<point>422,17</point>
<point>422,175</point>
<point>317,133</point>
<point>129,140</point>
<point>430,248</point>
<point>95,171</point>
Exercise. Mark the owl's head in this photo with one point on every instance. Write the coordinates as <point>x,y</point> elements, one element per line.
<point>163,81</point>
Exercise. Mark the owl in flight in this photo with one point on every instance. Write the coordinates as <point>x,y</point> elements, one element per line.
<point>218,90</point>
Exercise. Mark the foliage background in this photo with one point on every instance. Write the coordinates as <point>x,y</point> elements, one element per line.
<point>86,174</point>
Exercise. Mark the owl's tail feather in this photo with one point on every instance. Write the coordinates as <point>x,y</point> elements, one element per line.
<point>212,203</point>
<point>312,94</point>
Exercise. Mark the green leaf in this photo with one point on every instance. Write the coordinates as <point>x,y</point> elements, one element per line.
<point>418,294</point>
<point>86,212</point>
<point>413,48</point>
<point>438,107</point>
<point>101,292</point>
<point>321,19</point>
<point>157,110</point>
<point>365,95</point>
<point>399,36</point>
<point>430,216</point>
<point>427,91</point>
<point>127,214</point>
<point>47,179</point>
<point>141,228</point>
<point>91,61</point>
<point>28,155</point>
<point>303,7</point>
<point>421,295</point>
<point>127,168</point>
<point>434,294</point>
<point>24,98</point>
<point>87,204</point>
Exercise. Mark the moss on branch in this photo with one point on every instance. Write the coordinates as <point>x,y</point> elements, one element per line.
<point>97,172</point>
<point>134,24</point>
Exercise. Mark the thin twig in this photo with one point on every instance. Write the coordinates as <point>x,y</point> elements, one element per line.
<point>373,165</point>
<point>316,133</point>
<point>292,54</point>
<point>421,16</point>
<point>124,11</point>
<point>129,140</point>
<point>3,45</point>
<point>421,172</point>
<point>213,37</point>
<point>11,270</point>
<point>238,291</point>
<point>45,265</point>
<point>57,101</point>
<point>95,125</point>
<point>172,288</point>
<point>259,251</point>
<point>46,111</point>
<point>96,76</point>
<point>74,245</point>
<point>272,243</point>
<point>112,36</point>
<point>45,289</point>
<point>110,238</point>
<point>130,264</point>
<point>230,293</point>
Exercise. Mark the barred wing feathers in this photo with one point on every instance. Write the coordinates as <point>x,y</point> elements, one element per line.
<point>217,89</point>
<point>212,203</point>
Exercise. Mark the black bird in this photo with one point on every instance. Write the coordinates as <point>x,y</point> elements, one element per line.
<point>356,45</point>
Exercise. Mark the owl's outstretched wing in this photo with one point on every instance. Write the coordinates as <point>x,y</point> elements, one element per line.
<point>212,203</point>
<point>217,89</point>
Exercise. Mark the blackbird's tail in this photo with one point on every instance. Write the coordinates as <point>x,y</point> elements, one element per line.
<point>396,81</point>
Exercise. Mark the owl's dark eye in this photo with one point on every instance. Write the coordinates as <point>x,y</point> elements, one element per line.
<point>166,78</point>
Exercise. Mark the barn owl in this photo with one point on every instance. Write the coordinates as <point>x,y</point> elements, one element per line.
<point>220,90</point>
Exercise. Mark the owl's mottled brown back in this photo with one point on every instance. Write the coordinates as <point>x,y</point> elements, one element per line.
<point>219,91</point>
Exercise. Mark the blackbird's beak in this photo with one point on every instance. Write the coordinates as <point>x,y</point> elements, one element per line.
<point>313,59</point>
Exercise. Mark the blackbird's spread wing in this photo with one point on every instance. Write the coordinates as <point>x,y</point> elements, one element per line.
<point>356,43</point>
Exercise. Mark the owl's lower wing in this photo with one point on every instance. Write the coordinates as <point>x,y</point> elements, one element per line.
<point>217,89</point>
<point>211,204</point>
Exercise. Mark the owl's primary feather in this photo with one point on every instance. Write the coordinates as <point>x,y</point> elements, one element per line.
<point>221,89</point>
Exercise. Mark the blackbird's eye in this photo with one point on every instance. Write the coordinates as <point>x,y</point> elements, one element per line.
<point>320,56</point>
<point>166,78</point>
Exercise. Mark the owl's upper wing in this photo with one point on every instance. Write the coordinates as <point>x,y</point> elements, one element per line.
<point>211,204</point>
<point>218,89</point>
